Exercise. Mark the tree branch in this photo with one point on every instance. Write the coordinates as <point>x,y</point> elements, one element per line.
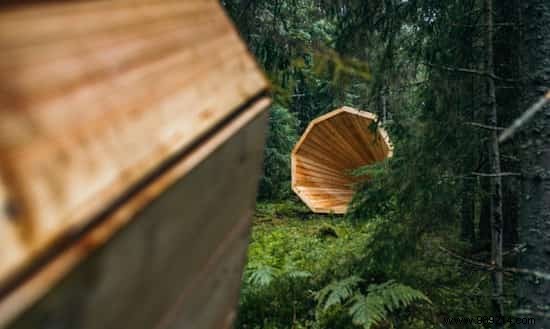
<point>494,268</point>
<point>531,312</point>
<point>470,71</point>
<point>496,175</point>
<point>524,118</point>
<point>484,126</point>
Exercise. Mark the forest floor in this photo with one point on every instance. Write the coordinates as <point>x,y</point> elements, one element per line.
<point>293,254</point>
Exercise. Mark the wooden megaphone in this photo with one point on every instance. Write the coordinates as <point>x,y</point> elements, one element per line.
<point>331,147</point>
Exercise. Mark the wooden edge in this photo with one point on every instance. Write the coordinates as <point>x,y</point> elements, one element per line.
<point>35,286</point>
<point>305,200</point>
<point>293,183</point>
<point>312,124</point>
<point>365,114</point>
<point>386,138</point>
<point>329,115</point>
<point>328,211</point>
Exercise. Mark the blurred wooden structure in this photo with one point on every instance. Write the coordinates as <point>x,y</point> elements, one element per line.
<point>121,123</point>
<point>331,147</point>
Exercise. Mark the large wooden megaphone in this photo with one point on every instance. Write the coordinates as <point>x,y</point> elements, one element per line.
<point>331,147</point>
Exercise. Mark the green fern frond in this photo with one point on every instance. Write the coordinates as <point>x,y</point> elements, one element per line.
<point>397,295</point>
<point>381,300</point>
<point>367,311</point>
<point>263,275</point>
<point>337,292</point>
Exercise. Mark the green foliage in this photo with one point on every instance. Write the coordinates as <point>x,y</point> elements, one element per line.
<point>289,260</point>
<point>315,52</point>
<point>262,275</point>
<point>275,183</point>
<point>337,292</point>
<point>298,278</point>
<point>372,308</point>
<point>392,295</point>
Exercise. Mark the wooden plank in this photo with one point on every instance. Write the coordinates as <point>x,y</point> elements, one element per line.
<point>320,139</point>
<point>306,180</point>
<point>178,262</point>
<point>87,112</point>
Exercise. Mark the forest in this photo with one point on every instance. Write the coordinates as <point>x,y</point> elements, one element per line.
<point>453,231</point>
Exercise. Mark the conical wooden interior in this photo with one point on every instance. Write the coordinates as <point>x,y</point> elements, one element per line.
<point>332,146</point>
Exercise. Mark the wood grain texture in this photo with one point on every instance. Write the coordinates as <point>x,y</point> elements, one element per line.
<point>332,146</point>
<point>178,264</point>
<point>96,94</point>
<point>12,250</point>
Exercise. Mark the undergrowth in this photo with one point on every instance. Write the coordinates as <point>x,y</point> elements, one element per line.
<point>323,271</point>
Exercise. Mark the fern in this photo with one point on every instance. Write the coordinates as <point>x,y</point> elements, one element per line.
<point>296,274</point>
<point>367,311</point>
<point>337,292</point>
<point>263,275</point>
<point>372,308</point>
<point>381,300</point>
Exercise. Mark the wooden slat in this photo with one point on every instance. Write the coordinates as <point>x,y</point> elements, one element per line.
<point>322,139</point>
<point>332,146</point>
<point>96,95</point>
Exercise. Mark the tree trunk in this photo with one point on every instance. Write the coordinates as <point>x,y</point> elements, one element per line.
<point>496,182</point>
<point>484,224</point>
<point>467,209</point>
<point>534,229</point>
<point>467,229</point>
<point>510,210</point>
<point>507,64</point>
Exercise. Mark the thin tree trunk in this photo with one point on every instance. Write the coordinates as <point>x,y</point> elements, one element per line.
<point>534,228</point>
<point>496,182</point>
<point>510,210</point>
<point>467,230</point>
<point>484,221</point>
<point>506,65</point>
<point>484,225</point>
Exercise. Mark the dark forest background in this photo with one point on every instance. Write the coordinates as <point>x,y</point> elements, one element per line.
<point>456,224</point>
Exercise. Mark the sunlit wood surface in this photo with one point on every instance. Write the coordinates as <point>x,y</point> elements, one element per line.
<point>331,147</point>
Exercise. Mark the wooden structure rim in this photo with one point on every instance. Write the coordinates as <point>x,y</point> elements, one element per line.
<point>365,114</point>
